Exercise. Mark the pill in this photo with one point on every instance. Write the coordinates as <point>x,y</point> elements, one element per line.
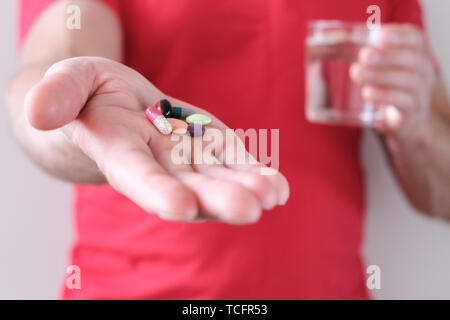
<point>196,129</point>
<point>165,107</point>
<point>181,113</point>
<point>179,127</point>
<point>160,122</point>
<point>198,118</point>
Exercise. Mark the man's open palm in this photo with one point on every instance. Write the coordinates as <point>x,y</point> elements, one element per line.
<point>99,104</point>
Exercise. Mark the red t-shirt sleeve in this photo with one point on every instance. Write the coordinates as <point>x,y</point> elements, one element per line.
<point>29,11</point>
<point>410,11</point>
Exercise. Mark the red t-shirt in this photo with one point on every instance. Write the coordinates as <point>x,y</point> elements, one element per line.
<point>243,61</point>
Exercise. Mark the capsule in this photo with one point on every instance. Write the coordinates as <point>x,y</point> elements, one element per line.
<point>165,107</point>
<point>159,121</point>
<point>181,113</point>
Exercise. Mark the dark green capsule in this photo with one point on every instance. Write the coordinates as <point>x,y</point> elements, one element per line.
<point>181,113</point>
<point>176,113</point>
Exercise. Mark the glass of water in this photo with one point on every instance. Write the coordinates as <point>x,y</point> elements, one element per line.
<point>331,95</point>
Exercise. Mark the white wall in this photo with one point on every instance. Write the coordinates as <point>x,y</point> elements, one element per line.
<point>35,221</point>
<point>34,208</point>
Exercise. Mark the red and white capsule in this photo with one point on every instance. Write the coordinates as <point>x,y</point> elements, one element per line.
<point>159,121</point>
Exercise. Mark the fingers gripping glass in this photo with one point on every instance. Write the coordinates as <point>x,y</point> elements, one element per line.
<point>331,96</point>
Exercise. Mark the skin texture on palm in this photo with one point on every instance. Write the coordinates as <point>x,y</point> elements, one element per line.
<point>99,105</point>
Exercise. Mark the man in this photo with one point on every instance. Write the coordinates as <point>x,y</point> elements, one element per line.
<point>244,61</point>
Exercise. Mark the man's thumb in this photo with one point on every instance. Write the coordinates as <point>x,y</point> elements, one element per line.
<point>62,93</point>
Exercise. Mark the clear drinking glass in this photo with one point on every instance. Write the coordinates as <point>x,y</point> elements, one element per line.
<point>331,96</point>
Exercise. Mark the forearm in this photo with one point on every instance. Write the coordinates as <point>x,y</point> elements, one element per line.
<point>49,149</point>
<point>422,164</point>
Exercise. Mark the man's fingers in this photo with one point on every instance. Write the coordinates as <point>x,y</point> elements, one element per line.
<point>232,156</point>
<point>181,155</point>
<point>387,78</point>
<point>393,120</point>
<point>402,35</point>
<point>396,58</point>
<point>248,170</point>
<point>385,96</point>
<point>221,200</point>
<point>261,187</point>
<point>135,173</point>
<point>276,179</point>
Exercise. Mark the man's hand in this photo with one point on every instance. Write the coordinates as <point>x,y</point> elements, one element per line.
<point>99,105</point>
<point>398,76</point>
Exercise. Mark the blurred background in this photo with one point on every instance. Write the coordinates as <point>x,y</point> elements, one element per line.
<point>412,251</point>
